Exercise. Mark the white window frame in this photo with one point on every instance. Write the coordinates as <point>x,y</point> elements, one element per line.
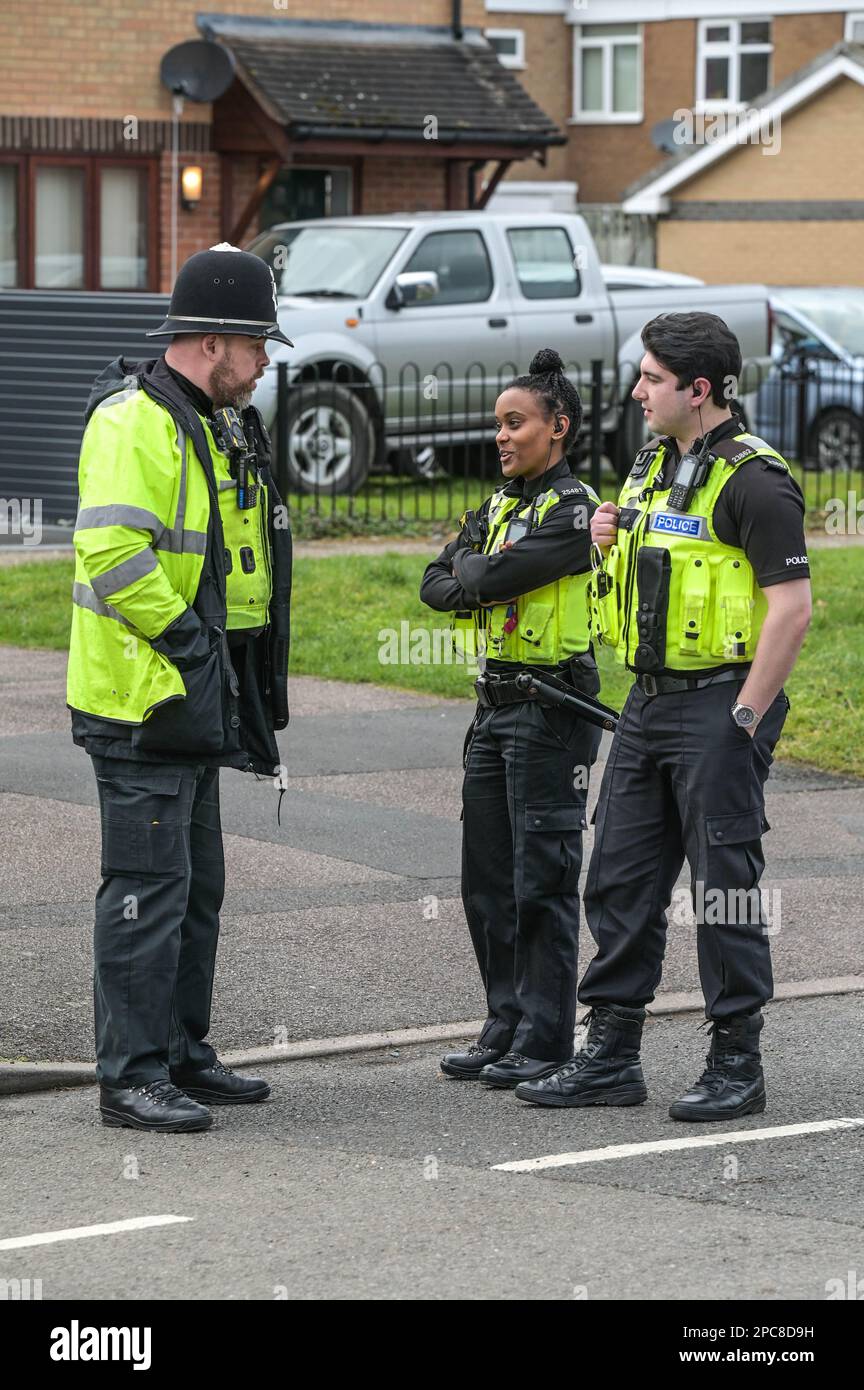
<point>509,60</point>
<point>855,17</point>
<point>607,116</point>
<point>732,49</point>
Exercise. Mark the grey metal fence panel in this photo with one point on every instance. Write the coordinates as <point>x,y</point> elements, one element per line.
<point>52,346</point>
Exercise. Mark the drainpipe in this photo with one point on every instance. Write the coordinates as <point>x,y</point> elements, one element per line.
<point>458,31</point>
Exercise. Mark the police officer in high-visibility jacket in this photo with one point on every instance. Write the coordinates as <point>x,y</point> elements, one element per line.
<point>517,577</point>
<point>177,667</point>
<point>702,589</point>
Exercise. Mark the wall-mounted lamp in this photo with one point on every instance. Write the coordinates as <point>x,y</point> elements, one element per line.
<point>191,180</point>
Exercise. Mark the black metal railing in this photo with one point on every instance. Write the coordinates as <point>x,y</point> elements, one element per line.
<point>357,448</point>
<point>367,449</point>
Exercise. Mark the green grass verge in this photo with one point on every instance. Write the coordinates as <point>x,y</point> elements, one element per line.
<point>344,607</point>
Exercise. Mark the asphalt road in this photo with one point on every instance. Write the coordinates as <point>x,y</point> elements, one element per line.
<point>374,1177</point>
<point>369,1175</point>
<point>345,918</point>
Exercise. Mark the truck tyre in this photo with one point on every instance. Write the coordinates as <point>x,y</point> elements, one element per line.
<point>330,440</point>
<point>836,442</point>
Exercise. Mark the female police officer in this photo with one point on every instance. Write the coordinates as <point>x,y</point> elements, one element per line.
<point>519,572</point>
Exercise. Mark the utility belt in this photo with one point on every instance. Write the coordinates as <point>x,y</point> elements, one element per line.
<point>668,685</point>
<point>493,691</point>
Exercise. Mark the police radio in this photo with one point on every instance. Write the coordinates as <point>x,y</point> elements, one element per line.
<point>690,474</point>
<point>243,460</point>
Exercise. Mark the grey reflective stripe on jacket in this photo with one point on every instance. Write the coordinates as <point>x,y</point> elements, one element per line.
<point>85,598</point>
<point>174,538</point>
<point>119,576</point>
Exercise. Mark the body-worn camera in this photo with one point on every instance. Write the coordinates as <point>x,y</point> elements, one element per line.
<point>243,460</point>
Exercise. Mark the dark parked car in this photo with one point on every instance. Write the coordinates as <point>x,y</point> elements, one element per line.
<point>811,407</point>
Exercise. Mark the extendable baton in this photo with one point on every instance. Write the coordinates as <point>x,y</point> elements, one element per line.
<point>591,710</point>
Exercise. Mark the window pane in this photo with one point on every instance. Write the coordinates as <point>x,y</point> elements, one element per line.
<point>858,31</point>
<point>754,75</point>
<point>302,194</point>
<point>123,230</point>
<point>717,33</point>
<point>625,77</point>
<point>339,193</point>
<point>756,31</point>
<point>506,44</point>
<point>716,79</point>
<point>59,228</point>
<point>544,263</point>
<point>460,261</point>
<point>592,79</point>
<point>8,225</point>
<point>608,31</point>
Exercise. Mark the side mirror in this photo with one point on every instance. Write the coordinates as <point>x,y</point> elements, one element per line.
<point>413,287</point>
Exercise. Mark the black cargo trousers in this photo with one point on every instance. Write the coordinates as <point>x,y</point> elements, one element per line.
<point>524,798</point>
<point>157,918</point>
<point>682,779</point>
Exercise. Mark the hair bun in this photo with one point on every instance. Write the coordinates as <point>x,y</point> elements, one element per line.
<point>546,362</point>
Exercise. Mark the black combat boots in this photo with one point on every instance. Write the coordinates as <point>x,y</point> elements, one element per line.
<point>469,1063</point>
<point>607,1071</point>
<point>732,1083</point>
<point>156,1105</point>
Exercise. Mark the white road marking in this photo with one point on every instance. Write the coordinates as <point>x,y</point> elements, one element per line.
<point>659,1146</point>
<point>108,1228</point>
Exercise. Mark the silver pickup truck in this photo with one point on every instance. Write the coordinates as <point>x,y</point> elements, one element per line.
<point>405,328</point>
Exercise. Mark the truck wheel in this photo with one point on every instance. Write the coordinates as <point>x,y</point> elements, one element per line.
<point>836,442</point>
<point>331,440</point>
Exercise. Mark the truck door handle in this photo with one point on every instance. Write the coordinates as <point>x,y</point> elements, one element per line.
<point>584,318</point>
<point>497,323</point>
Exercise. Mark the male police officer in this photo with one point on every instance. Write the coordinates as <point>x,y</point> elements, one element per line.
<point>177,666</point>
<point>704,593</point>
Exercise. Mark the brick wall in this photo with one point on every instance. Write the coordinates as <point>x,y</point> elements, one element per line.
<point>547,77</point>
<point>101,57</point>
<point>798,38</point>
<point>819,158</point>
<point>404,185</point>
<point>195,230</point>
<point>604,159</point>
<point>774,253</point>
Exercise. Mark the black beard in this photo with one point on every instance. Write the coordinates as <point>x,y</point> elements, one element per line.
<point>225,390</point>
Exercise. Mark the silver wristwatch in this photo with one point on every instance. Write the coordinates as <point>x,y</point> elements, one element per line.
<point>745,716</point>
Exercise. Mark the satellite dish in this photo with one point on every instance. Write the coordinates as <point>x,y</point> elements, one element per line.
<point>663,136</point>
<point>198,70</point>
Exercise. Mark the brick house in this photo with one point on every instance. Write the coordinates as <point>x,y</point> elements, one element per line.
<point>335,106</point>
<point>613,74</point>
<point>782,193</point>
